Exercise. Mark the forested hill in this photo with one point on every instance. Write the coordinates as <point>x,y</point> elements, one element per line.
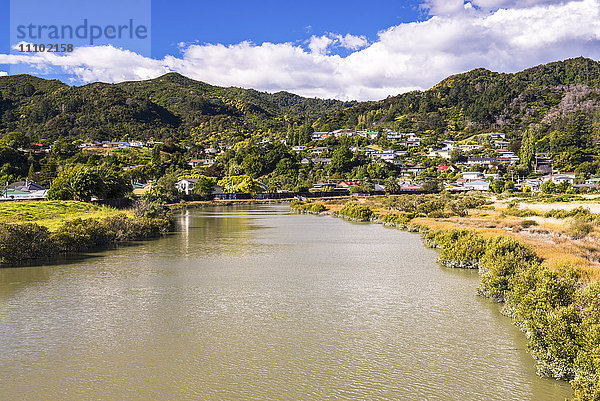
<point>480,100</point>
<point>542,98</point>
<point>171,105</point>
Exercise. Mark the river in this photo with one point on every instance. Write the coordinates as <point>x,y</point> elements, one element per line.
<point>255,303</point>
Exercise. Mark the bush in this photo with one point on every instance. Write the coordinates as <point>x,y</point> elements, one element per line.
<point>401,218</point>
<point>502,258</point>
<point>19,242</point>
<point>528,223</point>
<point>316,208</point>
<point>356,212</point>
<point>24,241</point>
<point>461,248</point>
<point>579,227</point>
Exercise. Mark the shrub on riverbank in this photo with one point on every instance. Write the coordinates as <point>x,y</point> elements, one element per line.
<point>560,317</point>
<point>19,242</point>
<point>396,219</point>
<point>307,207</point>
<point>355,211</point>
<point>458,248</point>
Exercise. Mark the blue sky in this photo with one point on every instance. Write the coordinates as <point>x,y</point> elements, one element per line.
<point>234,21</point>
<point>331,49</point>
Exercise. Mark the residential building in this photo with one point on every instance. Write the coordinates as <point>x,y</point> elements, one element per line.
<point>186,185</point>
<point>446,169</point>
<point>501,144</point>
<point>195,162</point>
<point>473,175</point>
<point>477,185</point>
<point>23,190</point>
<point>443,153</point>
<point>319,150</point>
<point>386,155</point>
<point>468,148</point>
<point>316,136</point>
<point>348,184</point>
<point>561,177</point>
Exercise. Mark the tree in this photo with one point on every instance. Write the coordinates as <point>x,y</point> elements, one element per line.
<point>527,151</point>
<point>391,185</point>
<point>64,147</point>
<point>509,186</point>
<point>287,167</point>
<point>156,158</point>
<point>563,187</point>
<point>253,165</point>
<point>165,189</point>
<point>205,185</point>
<point>341,161</point>
<point>548,187</point>
<point>497,186</point>
<point>240,183</point>
<point>431,186</point>
<point>15,140</point>
<point>456,156</point>
<point>84,183</point>
<point>31,173</point>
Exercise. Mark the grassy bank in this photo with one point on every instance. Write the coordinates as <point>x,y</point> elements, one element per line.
<point>33,230</point>
<point>540,265</point>
<point>52,214</point>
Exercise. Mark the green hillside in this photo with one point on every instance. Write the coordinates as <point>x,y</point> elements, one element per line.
<point>464,104</point>
<point>168,106</point>
<point>543,98</point>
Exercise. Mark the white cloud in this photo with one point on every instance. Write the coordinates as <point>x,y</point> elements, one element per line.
<point>3,73</point>
<point>408,56</point>
<point>320,44</point>
<point>352,42</point>
<point>453,7</point>
<point>325,43</point>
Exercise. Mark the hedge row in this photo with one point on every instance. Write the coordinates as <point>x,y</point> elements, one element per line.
<point>19,242</point>
<point>560,316</point>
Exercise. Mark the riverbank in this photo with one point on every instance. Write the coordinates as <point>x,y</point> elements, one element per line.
<point>37,230</point>
<point>547,286</point>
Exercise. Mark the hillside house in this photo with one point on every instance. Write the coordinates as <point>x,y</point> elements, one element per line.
<point>317,136</point>
<point>473,175</point>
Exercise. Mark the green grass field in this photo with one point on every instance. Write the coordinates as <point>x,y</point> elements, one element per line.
<point>51,213</point>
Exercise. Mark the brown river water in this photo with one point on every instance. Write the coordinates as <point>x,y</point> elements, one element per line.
<point>255,303</point>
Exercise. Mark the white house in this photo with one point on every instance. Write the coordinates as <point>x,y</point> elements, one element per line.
<point>298,148</point>
<point>413,142</point>
<point>385,154</point>
<point>562,177</point>
<point>473,175</point>
<point>368,134</point>
<point>320,135</point>
<point>444,153</point>
<point>468,148</point>
<point>477,185</point>
<point>186,185</point>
